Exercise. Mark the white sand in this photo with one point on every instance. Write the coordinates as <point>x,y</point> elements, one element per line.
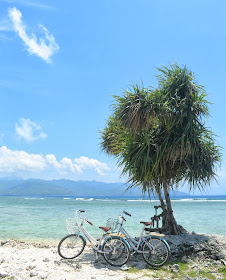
<point>40,261</point>
<point>27,260</point>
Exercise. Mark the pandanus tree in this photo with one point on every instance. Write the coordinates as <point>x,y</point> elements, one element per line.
<point>160,139</point>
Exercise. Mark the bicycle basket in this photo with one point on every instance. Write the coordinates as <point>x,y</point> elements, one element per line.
<point>113,223</point>
<point>71,225</point>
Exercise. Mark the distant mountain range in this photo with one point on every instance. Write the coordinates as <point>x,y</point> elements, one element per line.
<point>64,187</point>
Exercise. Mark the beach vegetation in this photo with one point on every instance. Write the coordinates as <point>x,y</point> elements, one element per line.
<point>185,269</point>
<point>160,138</point>
<point>223,270</point>
<point>133,270</point>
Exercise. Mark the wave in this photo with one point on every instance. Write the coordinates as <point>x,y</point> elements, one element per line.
<point>197,200</point>
<point>139,200</point>
<point>106,199</point>
<point>66,198</point>
<point>84,199</point>
<point>34,198</point>
<point>184,200</point>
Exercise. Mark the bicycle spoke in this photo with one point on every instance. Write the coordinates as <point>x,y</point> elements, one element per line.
<point>116,251</point>
<point>71,246</point>
<point>155,252</point>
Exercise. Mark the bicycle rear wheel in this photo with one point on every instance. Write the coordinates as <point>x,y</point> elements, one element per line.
<point>155,251</point>
<point>116,251</point>
<point>71,246</point>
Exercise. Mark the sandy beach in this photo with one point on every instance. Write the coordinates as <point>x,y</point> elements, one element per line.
<point>32,260</point>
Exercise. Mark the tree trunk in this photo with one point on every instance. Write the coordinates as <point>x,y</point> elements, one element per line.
<point>170,225</point>
<point>163,207</point>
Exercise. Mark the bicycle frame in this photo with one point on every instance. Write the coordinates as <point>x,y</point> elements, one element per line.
<point>94,243</point>
<point>132,242</point>
<point>114,249</point>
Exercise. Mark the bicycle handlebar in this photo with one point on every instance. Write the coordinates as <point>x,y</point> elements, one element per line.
<point>81,218</point>
<point>122,218</point>
<point>89,222</point>
<point>127,213</point>
<point>121,215</point>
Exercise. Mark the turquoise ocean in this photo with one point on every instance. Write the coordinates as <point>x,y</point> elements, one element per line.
<point>43,218</point>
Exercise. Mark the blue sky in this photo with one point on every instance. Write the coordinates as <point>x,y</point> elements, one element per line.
<point>61,62</point>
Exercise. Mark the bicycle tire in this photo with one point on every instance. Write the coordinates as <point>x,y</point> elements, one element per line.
<point>71,246</point>
<point>115,251</point>
<point>159,254</point>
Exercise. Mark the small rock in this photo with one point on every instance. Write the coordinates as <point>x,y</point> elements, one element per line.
<point>207,264</point>
<point>32,274</point>
<point>194,266</point>
<point>219,256</point>
<point>78,266</point>
<point>175,268</point>
<point>124,267</point>
<point>30,267</point>
<point>46,260</point>
<point>3,274</point>
<point>217,263</point>
<point>201,254</point>
<point>184,259</point>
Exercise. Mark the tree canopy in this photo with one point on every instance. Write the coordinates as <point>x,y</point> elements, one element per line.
<point>159,136</point>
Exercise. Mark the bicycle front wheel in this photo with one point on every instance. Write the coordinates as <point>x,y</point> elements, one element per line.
<point>155,251</point>
<point>71,246</point>
<point>116,251</point>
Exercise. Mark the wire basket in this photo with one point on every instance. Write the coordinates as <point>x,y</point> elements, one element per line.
<point>71,225</point>
<point>113,223</point>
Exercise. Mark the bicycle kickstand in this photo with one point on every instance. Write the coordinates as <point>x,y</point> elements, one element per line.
<point>97,257</point>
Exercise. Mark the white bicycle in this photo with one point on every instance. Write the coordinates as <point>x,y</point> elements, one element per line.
<point>113,247</point>
<point>153,247</point>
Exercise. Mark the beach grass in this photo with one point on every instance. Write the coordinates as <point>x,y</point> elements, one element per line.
<point>193,269</point>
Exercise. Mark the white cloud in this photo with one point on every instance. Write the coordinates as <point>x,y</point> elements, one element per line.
<point>23,164</point>
<point>29,131</point>
<point>42,47</point>
<point>86,163</point>
<point>13,161</point>
<point>35,4</point>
